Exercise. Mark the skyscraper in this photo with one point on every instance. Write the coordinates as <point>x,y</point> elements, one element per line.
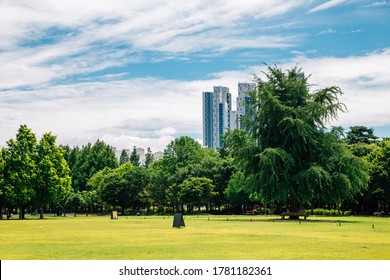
<point>243,101</point>
<point>217,108</point>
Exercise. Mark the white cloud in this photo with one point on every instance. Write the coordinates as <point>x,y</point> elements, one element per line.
<point>380,4</point>
<point>166,131</point>
<point>78,113</point>
<point>44,40</point>
<point>363,79</point>
<point>327,5</point>
<point>150,112</point>
<point>327,31</point>
<point>127,142</point>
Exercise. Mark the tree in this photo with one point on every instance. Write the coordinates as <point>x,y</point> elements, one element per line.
<point>134,157</point>
<point>123,186</point>
<point>53,181</point>
<point>75,202</point>
<point>379,188</point>
<point>149,158</point>
<point>159,176</point>
<point>196,191</point>
<point>361,134</point>
<point>94,186</point>
<point>124,157</point>
<point>173,198</point>
<point>213,166</point>
<point>236,192</point>
<point>179,158</point>
<point>89,160</point>
<point>90,198</point>
<point>177,164</point>
<point>183,150</point>
<point>20,173</point>
<point>292,160</point>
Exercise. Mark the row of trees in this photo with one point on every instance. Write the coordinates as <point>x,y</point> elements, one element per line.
<point>284,158</point>
<point>32,173</point>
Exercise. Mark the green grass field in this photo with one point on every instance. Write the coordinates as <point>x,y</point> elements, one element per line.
<point>203,238</point>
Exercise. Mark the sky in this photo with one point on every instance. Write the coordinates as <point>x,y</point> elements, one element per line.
<point>132,73</point>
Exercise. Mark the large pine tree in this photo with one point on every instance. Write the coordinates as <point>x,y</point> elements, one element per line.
<point>290,157</point>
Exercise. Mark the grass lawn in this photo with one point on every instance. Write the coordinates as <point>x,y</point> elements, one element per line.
<point>203,238</point>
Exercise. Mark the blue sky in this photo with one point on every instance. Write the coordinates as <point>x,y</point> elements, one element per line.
<point>132,72</point>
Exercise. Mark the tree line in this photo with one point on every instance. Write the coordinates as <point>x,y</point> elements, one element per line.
<point>283,158</point>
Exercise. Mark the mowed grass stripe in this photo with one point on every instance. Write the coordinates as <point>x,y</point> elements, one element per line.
<point>204,237</point>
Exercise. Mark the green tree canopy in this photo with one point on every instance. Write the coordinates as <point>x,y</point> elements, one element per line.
<point>89,160</point>
<point>291,159</point>
<point>237,192</point>
<point>124,157</point>
<point>196,191</point>
<point>75,202</point>
<point>379,190</point>
<point>124,185</point>
<point>53,181</point>
<point>361,134</point>
<point>134,157</point>
<point>20,173</point>
<point>149,158</point>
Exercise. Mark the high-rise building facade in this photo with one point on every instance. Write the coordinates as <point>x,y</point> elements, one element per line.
<point>243,101</point>
<point>217,108</point>
<point>218,115</point>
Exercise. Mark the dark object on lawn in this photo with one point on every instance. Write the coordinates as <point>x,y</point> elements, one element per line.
<point>178,220</point>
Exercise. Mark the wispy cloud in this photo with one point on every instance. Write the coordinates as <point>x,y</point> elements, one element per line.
<point>70,67</point>
<point>151,112</point>
<point>48,40</point>
<point>364,81</point>
<point>327,5</point>
<point>327,31</point>
<point>379,4</point>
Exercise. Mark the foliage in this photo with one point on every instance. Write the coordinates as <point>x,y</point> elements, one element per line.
<point>20,173</point>
<point>53,181</point>
<point>89,160</point>
<point>361,134</point>
<point>149,158</point>
<point>178,163</point>
<point>134,157</point>
<point>124,157</point>
<point>75,201</point>
<point>379,190</point>
<point>90,198</point>
<point>361,149</point>
<point>181,152</point>
<point>237,192</point>
<point>290,158</point>
<point>330,212</point>
<point>196,191</point>
<point>123,186</point>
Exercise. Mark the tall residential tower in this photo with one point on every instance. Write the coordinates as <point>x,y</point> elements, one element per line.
<point>218,116</point>
<point>243,101</point>
<point>217,108</point>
